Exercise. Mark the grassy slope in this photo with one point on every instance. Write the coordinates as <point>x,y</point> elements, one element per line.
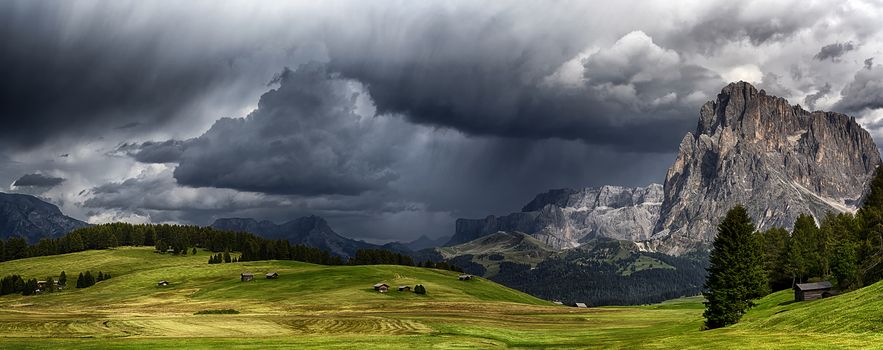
<point>513,246</point>
<point>313,306</point>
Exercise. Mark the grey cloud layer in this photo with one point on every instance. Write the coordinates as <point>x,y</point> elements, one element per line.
<point>37,180</point>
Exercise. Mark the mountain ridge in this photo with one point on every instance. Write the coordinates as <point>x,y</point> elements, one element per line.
<point>311,231</point>
<point>33,218</point>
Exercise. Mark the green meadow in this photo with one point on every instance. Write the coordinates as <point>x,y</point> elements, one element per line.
<point>335,307</point>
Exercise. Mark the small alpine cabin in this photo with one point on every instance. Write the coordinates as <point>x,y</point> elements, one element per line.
<point>464,277</point>
<point>162,283</point>
<point>404,288</point>
<point>246,276</point>
<point>272,276</point>
<point>381,287</point>
<point>812,291</point>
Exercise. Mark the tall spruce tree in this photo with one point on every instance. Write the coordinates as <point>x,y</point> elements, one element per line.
<point>736,275</point>
<point>62,278</point>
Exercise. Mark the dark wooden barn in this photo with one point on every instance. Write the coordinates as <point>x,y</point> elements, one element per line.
<point>381,287</point>
<point>246,276</point>
<point>811,291</point>
<point>272,276</point>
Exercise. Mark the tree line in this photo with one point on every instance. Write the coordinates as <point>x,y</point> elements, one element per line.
<point>15,284</point>
<point>745,264</point>
<point>185,239</point>
<point>167,239</point>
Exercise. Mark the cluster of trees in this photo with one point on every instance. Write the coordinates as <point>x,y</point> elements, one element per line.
<point>14,284</point>
<point>579,276</point>
<point>221,258</point>
<point>86,280</point>
<point>181,239</point>
<point>379,257</point>
<point>177,239</point>
<point>442,265</point>
<point>845,248</point>
<point>746,264</point>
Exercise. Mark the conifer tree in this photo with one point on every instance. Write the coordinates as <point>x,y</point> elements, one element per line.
<point>735,274</point>
<point>194,251</point>
<point>81,281</point>
<point>62,279</point>
<point>88,279</point>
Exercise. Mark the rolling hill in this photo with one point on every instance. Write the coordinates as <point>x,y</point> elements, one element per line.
<point>314,306</point>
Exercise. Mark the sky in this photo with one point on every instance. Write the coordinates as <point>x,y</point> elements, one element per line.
<point>391,119</point>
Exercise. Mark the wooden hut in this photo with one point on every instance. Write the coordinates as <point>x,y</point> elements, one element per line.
<point>404,288</point>
<point>464,277</point>
<point>581,305</point>
<point>246,276</point>
<point>162,283</point>
<point>381,287</point>
<point>811,291</point>
<point>272,276</point>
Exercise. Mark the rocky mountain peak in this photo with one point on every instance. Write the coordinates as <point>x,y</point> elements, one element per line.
<point>758,150</point>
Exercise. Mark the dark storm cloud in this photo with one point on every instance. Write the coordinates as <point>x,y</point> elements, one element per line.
<point>155,152</point>
<point>834,51</point>
<point>635,95</point>
<point>864,92</point>
<point>306,137</point>
<point>66,75</point>
<point>37,180</point>
<point>811,99</point>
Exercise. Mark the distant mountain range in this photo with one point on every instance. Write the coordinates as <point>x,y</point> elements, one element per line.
<point>314,231</point>
<point>748,148</point>
<point>32,218</point>
<point>311,231</point>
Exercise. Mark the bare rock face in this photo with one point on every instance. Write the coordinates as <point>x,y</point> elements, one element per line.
<point>775,159</point>
<point>565,218</point>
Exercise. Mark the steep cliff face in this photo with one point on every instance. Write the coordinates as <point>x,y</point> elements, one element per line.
<point>757,150</point>
<point>565,218</point>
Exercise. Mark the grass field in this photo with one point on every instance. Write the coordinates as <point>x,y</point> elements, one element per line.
<point>313,306</point>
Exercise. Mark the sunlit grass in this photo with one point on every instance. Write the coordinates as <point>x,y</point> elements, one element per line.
<point>313,306</point>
